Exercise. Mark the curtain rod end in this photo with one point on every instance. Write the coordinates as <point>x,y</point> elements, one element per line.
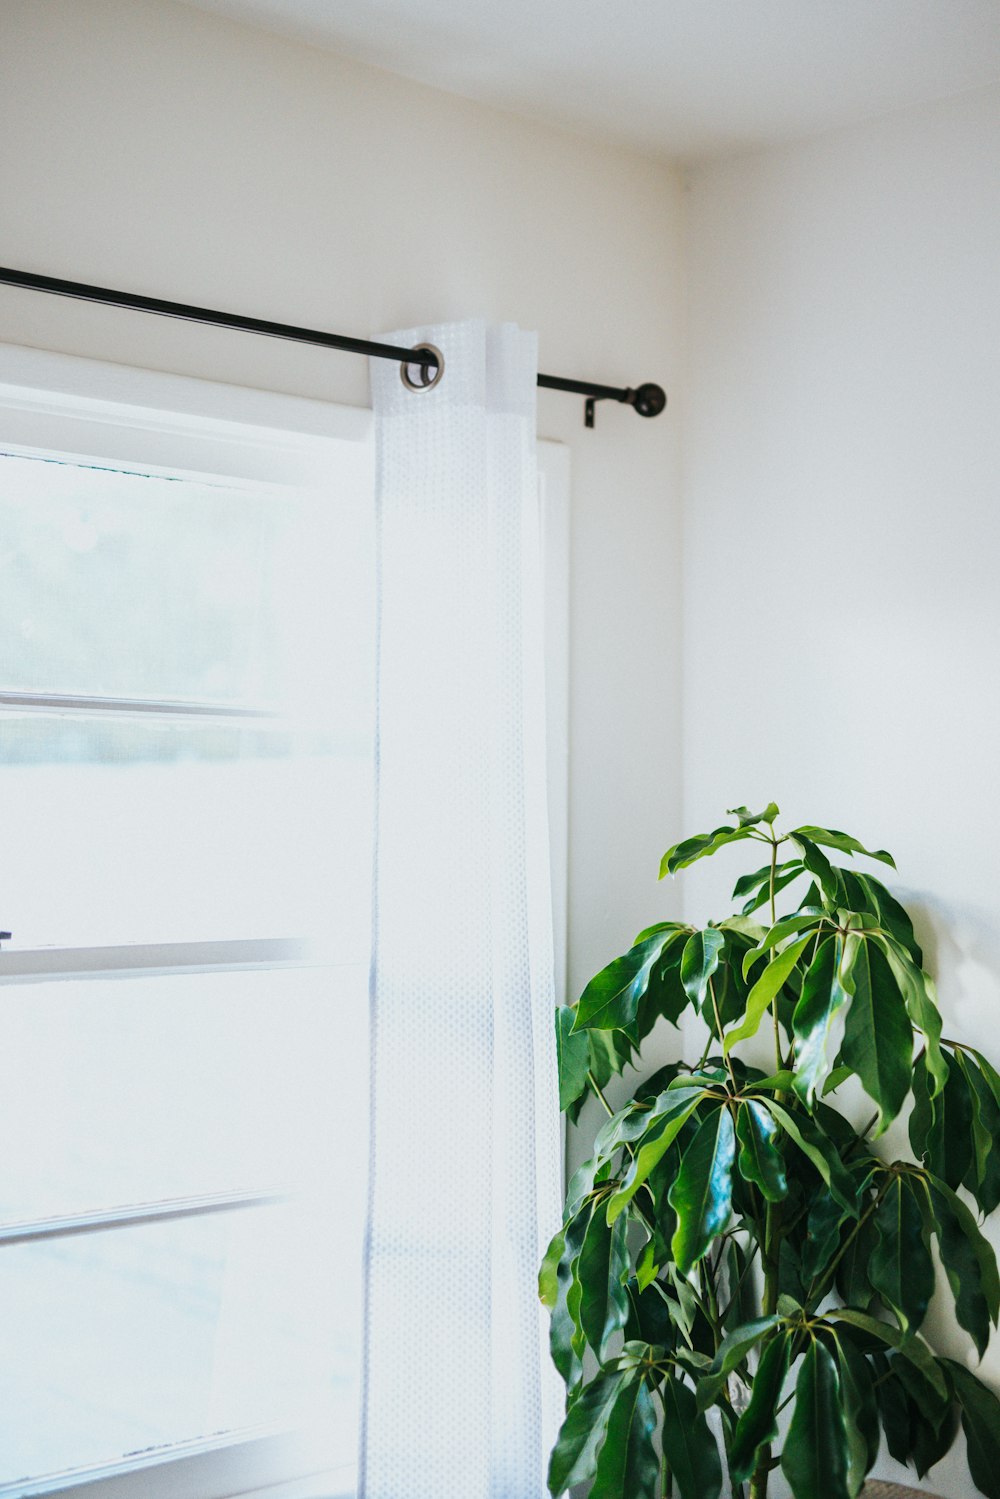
<point>648,400</point>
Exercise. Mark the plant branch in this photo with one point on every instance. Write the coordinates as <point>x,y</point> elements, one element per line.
<point>828,1273</point>
<point>592,1080</point>
<point>718,1026</point>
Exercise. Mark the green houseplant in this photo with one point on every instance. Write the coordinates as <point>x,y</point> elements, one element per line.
<point>734,1242</point>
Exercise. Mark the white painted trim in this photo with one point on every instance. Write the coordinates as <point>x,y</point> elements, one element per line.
<point>223,1467</point>
<point>47,380</point>
<point>554,469</point>
<point>88,411</point>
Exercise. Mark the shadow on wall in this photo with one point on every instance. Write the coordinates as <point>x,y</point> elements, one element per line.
<point>962,953</point>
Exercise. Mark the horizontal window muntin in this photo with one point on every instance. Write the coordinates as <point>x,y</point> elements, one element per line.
<point>70,705</point>
<point>100,1221</point>
<point>137,960</point>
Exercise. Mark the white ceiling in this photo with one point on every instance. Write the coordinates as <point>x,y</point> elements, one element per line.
<point>685,78</point>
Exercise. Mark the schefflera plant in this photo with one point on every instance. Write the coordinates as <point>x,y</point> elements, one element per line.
<point>734,1241</point>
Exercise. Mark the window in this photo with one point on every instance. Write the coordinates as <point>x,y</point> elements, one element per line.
<point>186,700</point>
<point>186,660</point>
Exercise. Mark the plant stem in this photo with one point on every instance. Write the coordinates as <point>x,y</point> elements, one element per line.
<point>774,917</point>
<point>718,1026</point>
<point>592,1080</point>
<point>769,1248</point>
<point>666,1479</point>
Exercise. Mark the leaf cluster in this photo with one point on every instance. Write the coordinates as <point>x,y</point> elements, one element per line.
<point>734,1243</point>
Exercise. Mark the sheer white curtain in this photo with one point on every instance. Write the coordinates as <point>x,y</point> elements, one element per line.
<point>458,1397</point>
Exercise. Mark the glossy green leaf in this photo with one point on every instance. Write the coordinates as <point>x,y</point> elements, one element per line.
<point>920,997</point>
<point>565,1333</point>
<point>810,1139</point>
<point>787,927</point>
<point>837,1078</point>
<point>652,1315</point>
<point>658,928</point>
<point>814,1457</point>
<point>665,1128</point>
<point>989,1072</point>
<point>907,1346</point>
<point>764,991</point>
<point>929,1404</point>
<point>823,995</point>
<point>688,1445</point>
<point>921,1114</point>
<point>778,1082</point>
<point>878,1036</point>
<point>665,994</point>
<point>740,1288</point>
<point>702,1194</point>
<point>582,1183</point>
<point>748,819</point>
<point>732,1352</point>
<point>901,1269</point>
<point>817,864</point>
<point>623,1128</point>
<point>863,892</point>
<point>758,1424</point>
<point>860,1413</point>
<point>982,1177</point>
<point>699,961</point>
<point>823,1233</point>
<point>843,842</point>
<point>627,1464</point>
<point>572,1056</point>
<point>742,926</point>
<point>603,1267</point>
<point>700,847</point>
<point>610,1053</point>
<point>761,878</point>
<point>574,1457</point>
<point>791,872</point>
<point>984,1181</point>
<point>760,1161</point>
<point>969,1263</point>
<point>949,1138</point>
<point>611,999</point>
<point>646,1267</point>
<point>548,1283</point>
<point>928,1443</point>
<point>894,1408</point>
<point>981,1424</point>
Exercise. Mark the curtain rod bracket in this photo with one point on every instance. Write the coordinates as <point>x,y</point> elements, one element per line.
<point>647,400</point>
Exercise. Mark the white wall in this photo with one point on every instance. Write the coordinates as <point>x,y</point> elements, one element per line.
<point>148,146</point>
<point>842,520</point>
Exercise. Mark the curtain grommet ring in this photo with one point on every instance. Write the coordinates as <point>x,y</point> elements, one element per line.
<point>427,375</point>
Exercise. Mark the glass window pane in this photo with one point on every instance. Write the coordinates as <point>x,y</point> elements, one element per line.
<point>145,1089</point>
<point>116,584</point>
<point>119,831</point>
<point>119,1343</point>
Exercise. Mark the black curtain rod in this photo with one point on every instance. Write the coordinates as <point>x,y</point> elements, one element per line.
<point>647,400</point>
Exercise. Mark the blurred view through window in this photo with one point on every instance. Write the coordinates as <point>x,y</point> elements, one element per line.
<point>186,670</point>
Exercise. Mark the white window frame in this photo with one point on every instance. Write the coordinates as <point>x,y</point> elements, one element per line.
<point>89,410</point>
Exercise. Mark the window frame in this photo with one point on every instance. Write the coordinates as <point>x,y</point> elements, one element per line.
<point>164,423</point>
